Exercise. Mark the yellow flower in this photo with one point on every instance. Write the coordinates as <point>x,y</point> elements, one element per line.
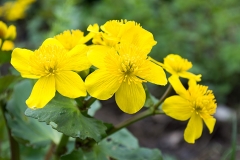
<point>117,32</point>
<point>122,71</point>
<point>69,39</point>
<point>176,65</point>
<point>197,104</point>
<point>8,33</point>
<point>7,45</point>
<point>15,10</point>
<point>54,68</point>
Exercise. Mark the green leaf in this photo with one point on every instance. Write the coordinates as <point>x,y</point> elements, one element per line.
<point>120,146</point>
<point>5,56</point>
<point>124,142</point>
<point>24,129</point>
<point>29,153</point>
<point>66,118</point>
<point>125,138</point>
<point>74,155</point>
<point>5,81</point>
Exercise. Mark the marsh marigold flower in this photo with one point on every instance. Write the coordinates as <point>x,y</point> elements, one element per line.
<point>7,33</point>
<point>176,65</point>
<point>15,10</point>
<point>70,38</point>
<point>122,71</point>
<point>196,104</point>
<point>116,32</point>
<point>55,68</point>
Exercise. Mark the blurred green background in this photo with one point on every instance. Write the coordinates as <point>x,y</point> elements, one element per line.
<point>207,33</point>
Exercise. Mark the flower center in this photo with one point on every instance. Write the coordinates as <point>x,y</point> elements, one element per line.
<point>47,60</point>
<point>204,106</point>
<point>129,68</point>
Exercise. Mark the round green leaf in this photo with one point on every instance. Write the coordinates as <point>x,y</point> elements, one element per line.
<point>63,115</point>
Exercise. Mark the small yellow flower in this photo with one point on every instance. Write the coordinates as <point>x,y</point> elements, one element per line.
<point>15,10</point>
<point>55,68</point>
<point>176,65</point>
<point>7,33</point>
<point>7,45</point>
<point>69,39</point>
<point>122,71</point>
<point>197,104</point>
<point>128,32</point>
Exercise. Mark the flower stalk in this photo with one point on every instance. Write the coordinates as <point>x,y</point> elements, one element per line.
<point>61,148</point>
<point>139,116</point>
<point>14,147</point>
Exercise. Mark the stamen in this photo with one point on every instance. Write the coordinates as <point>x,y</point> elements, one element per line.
<point>46,60</point>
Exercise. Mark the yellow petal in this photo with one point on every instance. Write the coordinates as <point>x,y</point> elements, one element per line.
<point>11,32</point>
<point>194,129</point>
<point>43,91</point>
<point>210,122</point>
<point>93,28</point>
<point>7,45</point>
<point>102,84</point>
<point>70,84</point>
<point>189,75</point>
<point>130,98</point>
<point>20,61</point>
<point>97,54</point>
<point>154,74</point>
<point>3,29</point>
<point>178,87</point>
<point>177,108</point>
<point>139,37</point>
<point>77,59</point>
<point>52,41</point>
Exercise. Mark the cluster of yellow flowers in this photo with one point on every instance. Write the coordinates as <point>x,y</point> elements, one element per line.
<point>119,54</point>
<point>7,35</point>
<point>14,10</point>
<point>197,103</point>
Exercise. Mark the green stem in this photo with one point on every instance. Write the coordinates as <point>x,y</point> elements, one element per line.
<point>61,148</point>
<point>131,120</point>
<point>14,147</point>
<point>85,104</point>
<point>90,101</point>
<point>50,151</point>
<point>164,96</point>
<point>151,111</point>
